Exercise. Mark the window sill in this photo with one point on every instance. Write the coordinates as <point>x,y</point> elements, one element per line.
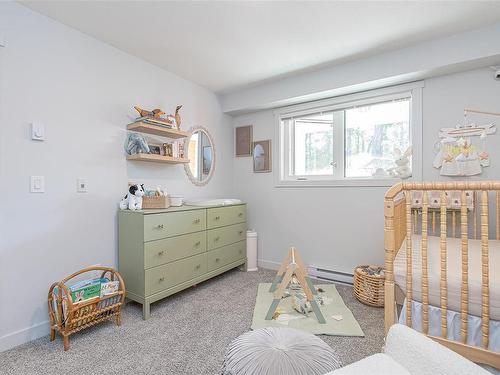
<point>352,182</point>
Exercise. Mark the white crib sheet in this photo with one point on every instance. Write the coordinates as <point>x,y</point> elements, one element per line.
<point>454,273</point>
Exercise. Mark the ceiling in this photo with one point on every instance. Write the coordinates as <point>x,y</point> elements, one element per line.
<point>225,46</point>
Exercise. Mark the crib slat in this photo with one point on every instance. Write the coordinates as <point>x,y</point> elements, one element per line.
<point>474,216</point>
<point>443,281</point>
<point>408,259</point>
<point>485,291</point>
<point>464,231</point>
<point>425,275</point>
<point>498,215</point>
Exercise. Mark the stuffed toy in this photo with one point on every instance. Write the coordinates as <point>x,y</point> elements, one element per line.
<point>136,143</point>
<point>402,161</point>
<point>133,200</point>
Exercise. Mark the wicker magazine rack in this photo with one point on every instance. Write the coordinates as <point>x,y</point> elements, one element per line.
<point>67,317</point>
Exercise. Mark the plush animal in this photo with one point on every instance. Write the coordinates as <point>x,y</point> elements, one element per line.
<point>155,113</point>
<point>402,161</point>
<point>133,200</point>
<point>136,143</point>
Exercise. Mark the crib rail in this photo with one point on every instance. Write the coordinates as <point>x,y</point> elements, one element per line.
<point>402,219</point>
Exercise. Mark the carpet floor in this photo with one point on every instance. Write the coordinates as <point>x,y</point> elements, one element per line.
<point>188,333</point>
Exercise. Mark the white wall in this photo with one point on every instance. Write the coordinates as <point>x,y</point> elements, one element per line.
<point>340,227</point>
<point>83,91</point>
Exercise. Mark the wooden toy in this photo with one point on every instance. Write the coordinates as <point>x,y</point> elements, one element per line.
<point>293,267</point>
<point>177,116</point>
<point>155,113</point>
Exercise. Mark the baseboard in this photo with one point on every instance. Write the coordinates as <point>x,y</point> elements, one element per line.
<point>24,335</point>
<point>268,264</point>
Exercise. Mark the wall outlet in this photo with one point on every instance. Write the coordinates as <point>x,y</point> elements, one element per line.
<point>37,131</point>
<point>37,184</point>
<point>81,185</point>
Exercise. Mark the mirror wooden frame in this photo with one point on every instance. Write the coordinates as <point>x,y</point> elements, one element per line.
<point>189,174</point>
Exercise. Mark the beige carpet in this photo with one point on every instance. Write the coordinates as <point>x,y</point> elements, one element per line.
<point>188,334</point>
<point>339,319</point>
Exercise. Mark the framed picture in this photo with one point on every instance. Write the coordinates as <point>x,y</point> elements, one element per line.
<point>243,140</point>
<point>167,149</point>
<point>207,159</point>
<point>155,149</point>
<point>262,156</point>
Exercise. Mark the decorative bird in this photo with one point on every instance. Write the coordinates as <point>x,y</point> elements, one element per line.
<point>156,113</point>
<point>177,116</point>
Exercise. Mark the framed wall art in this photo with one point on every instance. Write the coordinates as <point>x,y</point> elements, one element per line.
<point>243,140</point>
<point>262,156</point>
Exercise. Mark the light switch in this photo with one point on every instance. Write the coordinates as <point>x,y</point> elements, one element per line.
<point>37,184</point>
<point>81,185</point>
<point>37,131</point>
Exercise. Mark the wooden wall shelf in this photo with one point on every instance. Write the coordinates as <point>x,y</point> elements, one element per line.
<point>143,127</point>
<point>157,158</point>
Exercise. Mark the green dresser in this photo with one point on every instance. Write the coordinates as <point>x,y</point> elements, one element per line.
<point>164,251</point>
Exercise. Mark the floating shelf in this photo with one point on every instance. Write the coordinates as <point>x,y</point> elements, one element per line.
<point>143,127</point>
<point>157,158</point>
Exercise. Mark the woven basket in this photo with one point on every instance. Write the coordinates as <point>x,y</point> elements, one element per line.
<point>369,289</point>
<point>155,202</point>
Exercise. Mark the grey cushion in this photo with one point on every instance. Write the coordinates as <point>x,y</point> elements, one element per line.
<point>279,351</point>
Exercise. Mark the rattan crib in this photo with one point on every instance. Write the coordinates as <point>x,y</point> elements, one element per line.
<point>401,222</point>
<point>67,317</point>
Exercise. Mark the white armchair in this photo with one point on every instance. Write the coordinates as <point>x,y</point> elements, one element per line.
<point>408,352</point>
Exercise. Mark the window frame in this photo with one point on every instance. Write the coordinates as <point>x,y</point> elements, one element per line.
<point>282,179</point>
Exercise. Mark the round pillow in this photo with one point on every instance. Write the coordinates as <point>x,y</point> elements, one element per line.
<point>279,351</point>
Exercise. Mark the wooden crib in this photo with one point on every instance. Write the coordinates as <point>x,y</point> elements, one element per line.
<point>402,222</point>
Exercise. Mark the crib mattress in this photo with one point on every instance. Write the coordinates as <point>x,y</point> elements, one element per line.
<point>454,273</point>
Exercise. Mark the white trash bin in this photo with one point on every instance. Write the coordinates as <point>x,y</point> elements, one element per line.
<point>251,250</point>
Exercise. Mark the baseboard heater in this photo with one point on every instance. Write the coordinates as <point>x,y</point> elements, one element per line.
<point>330,275</point>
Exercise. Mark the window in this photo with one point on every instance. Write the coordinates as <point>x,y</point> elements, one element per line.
<point>347,139</point>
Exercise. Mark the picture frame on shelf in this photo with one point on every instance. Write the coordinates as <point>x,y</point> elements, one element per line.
<point>262,158</point>
<point>243,141</point>
<point>168,150</point>
<point>155,149</point>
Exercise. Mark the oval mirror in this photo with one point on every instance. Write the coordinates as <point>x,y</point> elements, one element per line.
<point>201,154</point>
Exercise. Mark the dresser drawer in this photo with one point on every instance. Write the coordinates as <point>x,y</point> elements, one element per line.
<point>174,248</point>
<point>158,226</point>
<point>226,235</point>
<point>225,255</point>
<point>170,274</point>
<point>221,216</point>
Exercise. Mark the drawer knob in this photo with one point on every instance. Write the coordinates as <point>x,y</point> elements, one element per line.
<point>160,226</point>
<point>240,232</point>
<point>217,218</point>
<point>196,221</point>
<point>198,266</point>
<point>240,214</point>
<point>241,251</point>
<point>160,253</point>
<point>217,238</point>
<point>162,279</point>
<point>217,259</point>
<point>197,243</point>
